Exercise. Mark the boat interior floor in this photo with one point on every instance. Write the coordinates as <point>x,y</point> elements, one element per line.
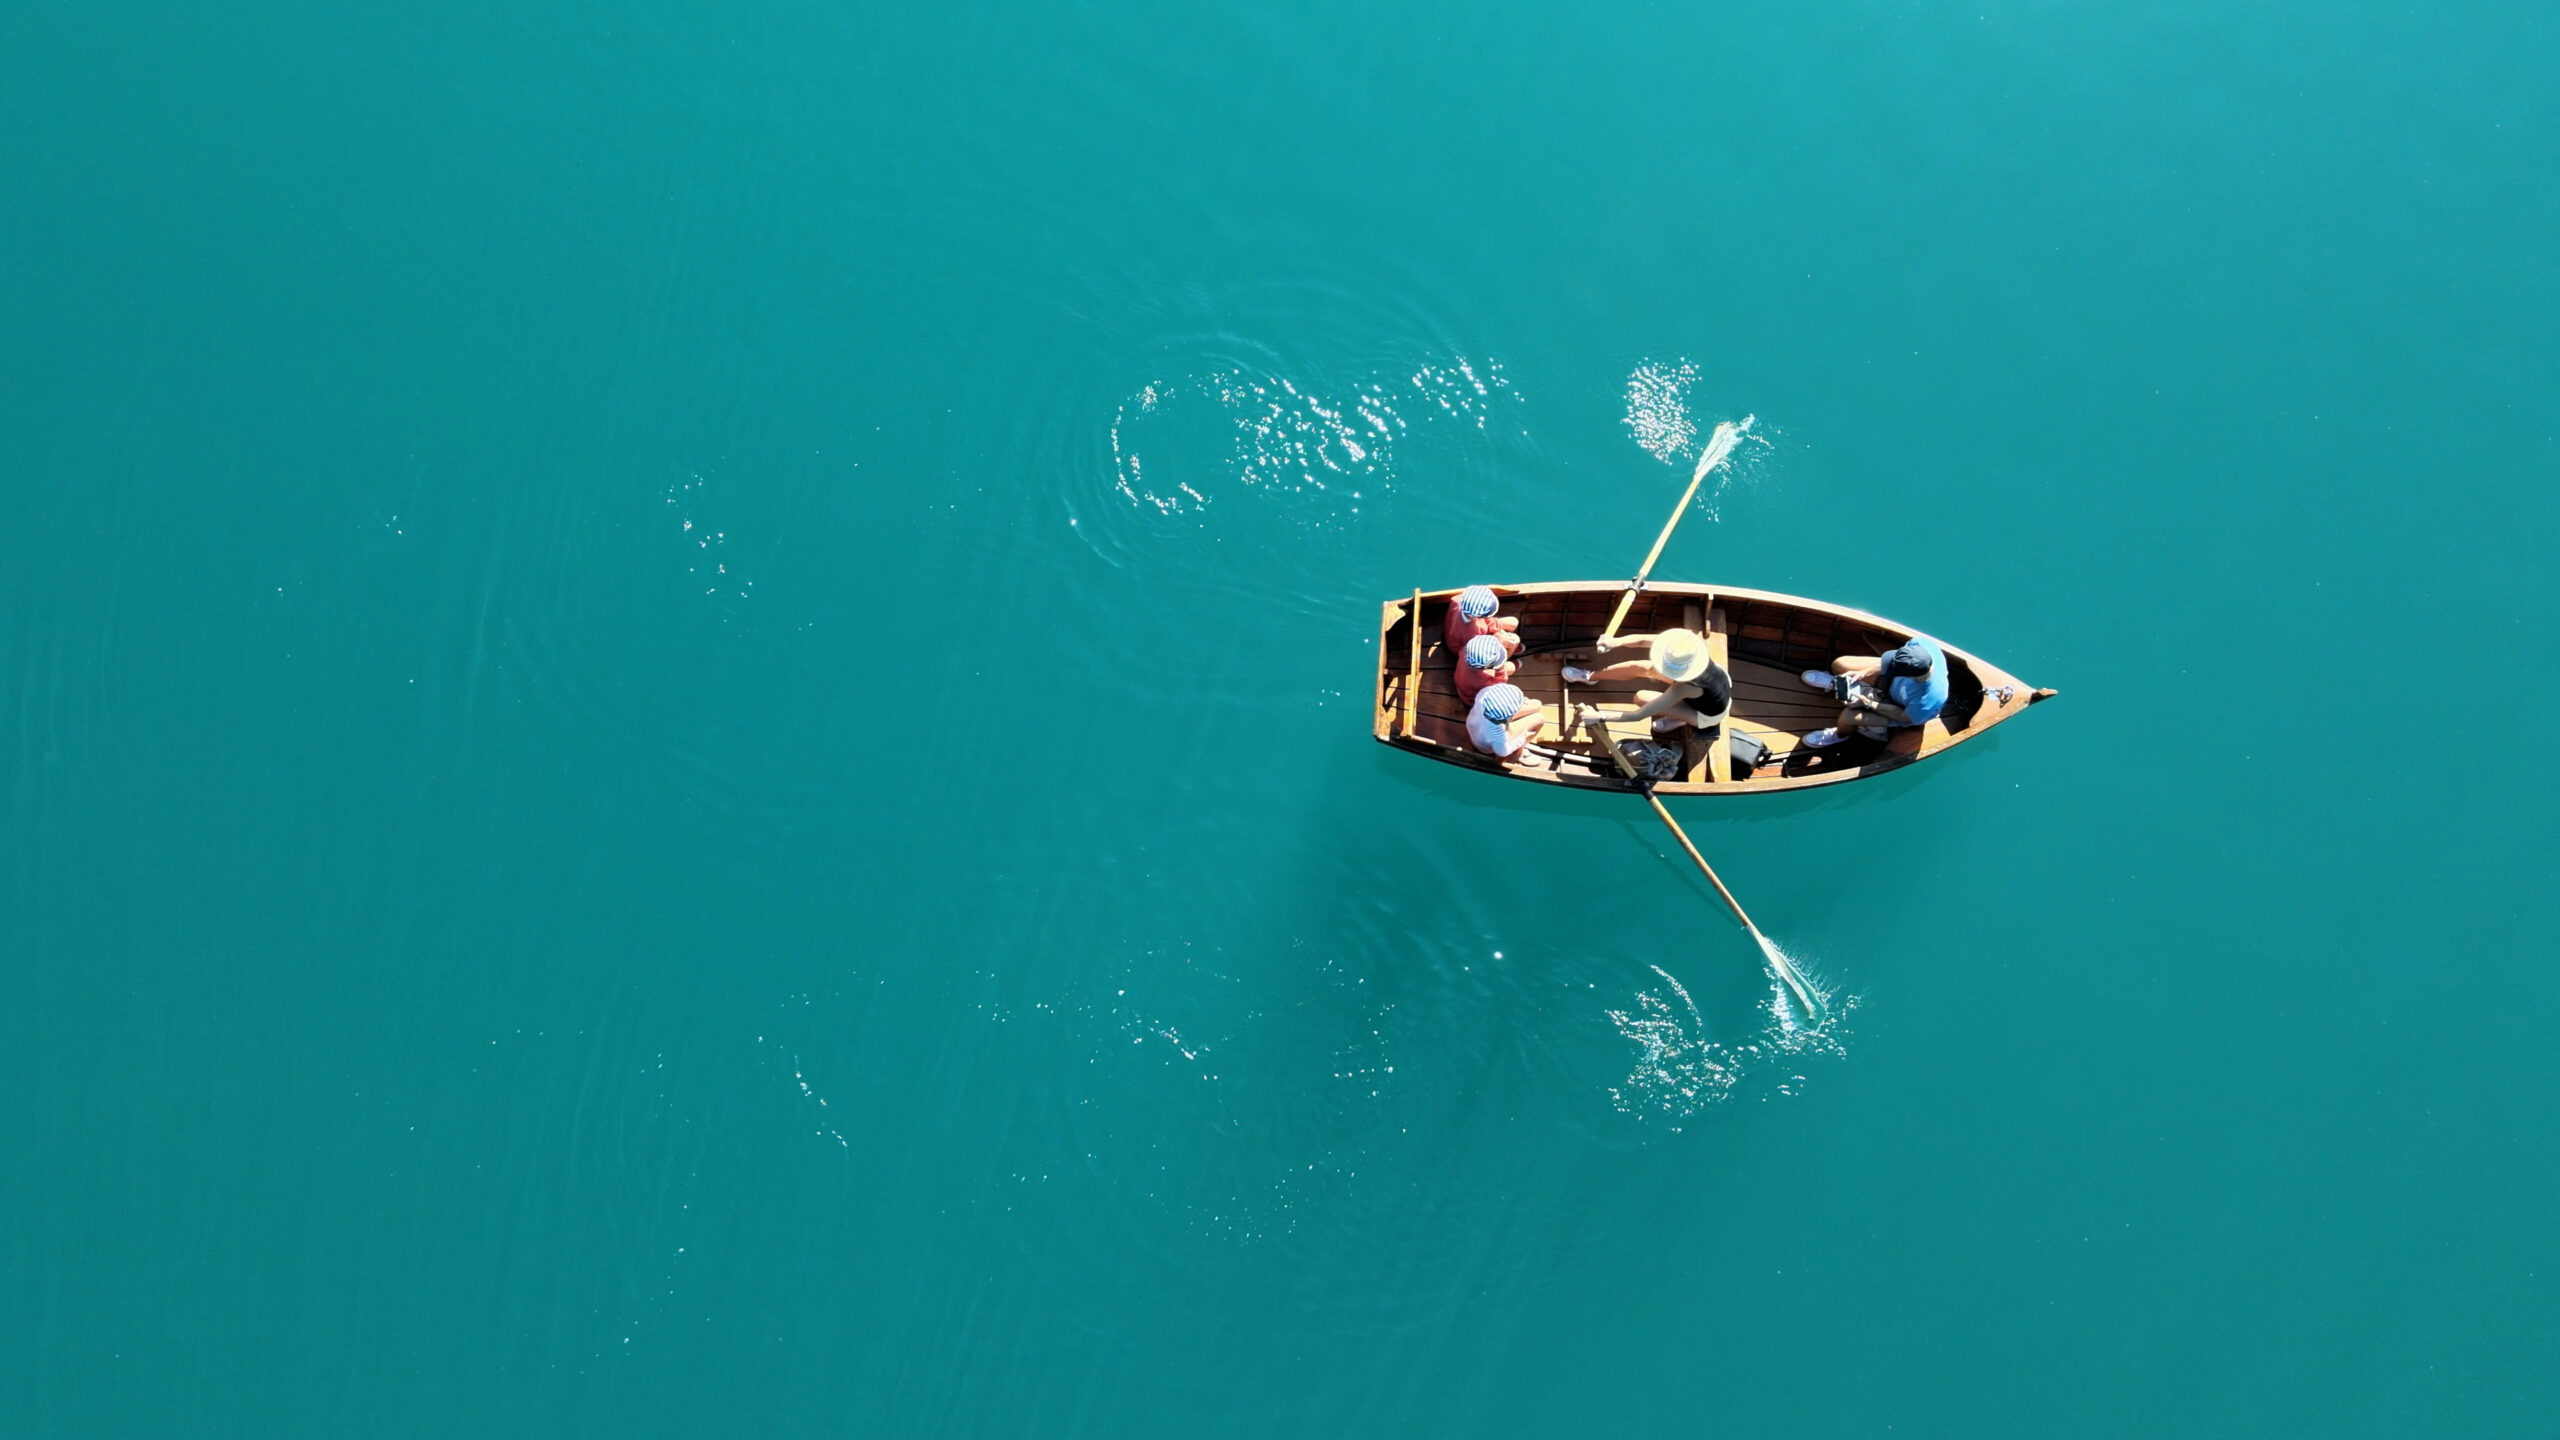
<point>1770,705</point>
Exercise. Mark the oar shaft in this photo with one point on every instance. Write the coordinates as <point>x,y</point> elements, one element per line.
<point>1710,871</point>
<point>1600,732</point>
<point>1679,512</point>
<point>1620,618</point>
<point>1628,600</point>
<point>1719,446</point>
<point>1786,969</point>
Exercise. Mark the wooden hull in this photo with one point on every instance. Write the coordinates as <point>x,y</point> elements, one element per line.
<point>1764,640</point>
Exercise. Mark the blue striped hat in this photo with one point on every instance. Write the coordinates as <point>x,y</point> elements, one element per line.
<point>1476,602</point>
<point>1501,703</point>
<point>1484,652</point>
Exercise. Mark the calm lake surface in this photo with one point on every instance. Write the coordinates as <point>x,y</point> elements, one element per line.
<point>687,754</point>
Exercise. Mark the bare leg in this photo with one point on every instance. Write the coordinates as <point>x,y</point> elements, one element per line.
<point>1683,713</point>
<point>1856,665</point>
<point>1624,672</point>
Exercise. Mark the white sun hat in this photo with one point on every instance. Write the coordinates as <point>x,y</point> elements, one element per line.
<point>1680,655</point>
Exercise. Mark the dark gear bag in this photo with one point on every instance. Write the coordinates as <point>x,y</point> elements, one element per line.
<point>1747,752</point>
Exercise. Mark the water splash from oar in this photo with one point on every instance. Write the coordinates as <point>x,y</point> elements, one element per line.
<point>1808,1001</point>
<point>1720,444</point>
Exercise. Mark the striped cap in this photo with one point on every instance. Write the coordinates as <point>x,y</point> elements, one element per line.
<point>1484,652</point>
<point>1502,703</point>
<point>1476,602</point>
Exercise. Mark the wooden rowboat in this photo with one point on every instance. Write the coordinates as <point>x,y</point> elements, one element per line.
<point>1762,639</point>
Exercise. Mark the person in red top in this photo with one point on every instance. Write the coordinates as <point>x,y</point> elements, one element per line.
<point>1472,614</point>
<point>1482,662</point>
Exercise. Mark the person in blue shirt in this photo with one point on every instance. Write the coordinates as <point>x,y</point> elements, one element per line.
<point>1906,685</point>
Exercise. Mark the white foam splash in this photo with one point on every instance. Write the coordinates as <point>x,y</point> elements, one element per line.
<point>1680,1070</point>
<point>1281,437</point>
<point>1459,391</point>
<point>708,558</point>
<point>1791,981</point>
<point>817,1102</point>
<point>1658,408</point>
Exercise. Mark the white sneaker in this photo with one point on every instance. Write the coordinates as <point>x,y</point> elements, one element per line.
<point>1576,675</point>
<point>1820,738</point>
<point>1821,680</point>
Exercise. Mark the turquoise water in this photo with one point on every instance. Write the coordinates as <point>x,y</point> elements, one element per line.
<point>686,738</point>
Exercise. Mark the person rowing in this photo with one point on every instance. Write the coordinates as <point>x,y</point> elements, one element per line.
<point>1474,613</point>
<point>1878,694</point>
<point>1503,721</point>
<point>1697,693</point>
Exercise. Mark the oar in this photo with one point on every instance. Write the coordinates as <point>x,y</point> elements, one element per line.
<point>1719,445</point>
<point>1777,958</point>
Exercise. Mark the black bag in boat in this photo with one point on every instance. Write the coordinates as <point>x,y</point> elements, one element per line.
<point>1747,752</point>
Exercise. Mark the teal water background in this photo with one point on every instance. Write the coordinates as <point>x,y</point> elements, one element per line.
<point>686,742</point>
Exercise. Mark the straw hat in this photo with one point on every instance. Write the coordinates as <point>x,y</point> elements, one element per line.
<point>1680,655</point>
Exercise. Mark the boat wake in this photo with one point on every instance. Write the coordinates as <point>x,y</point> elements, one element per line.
<point>1680,1069</point>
